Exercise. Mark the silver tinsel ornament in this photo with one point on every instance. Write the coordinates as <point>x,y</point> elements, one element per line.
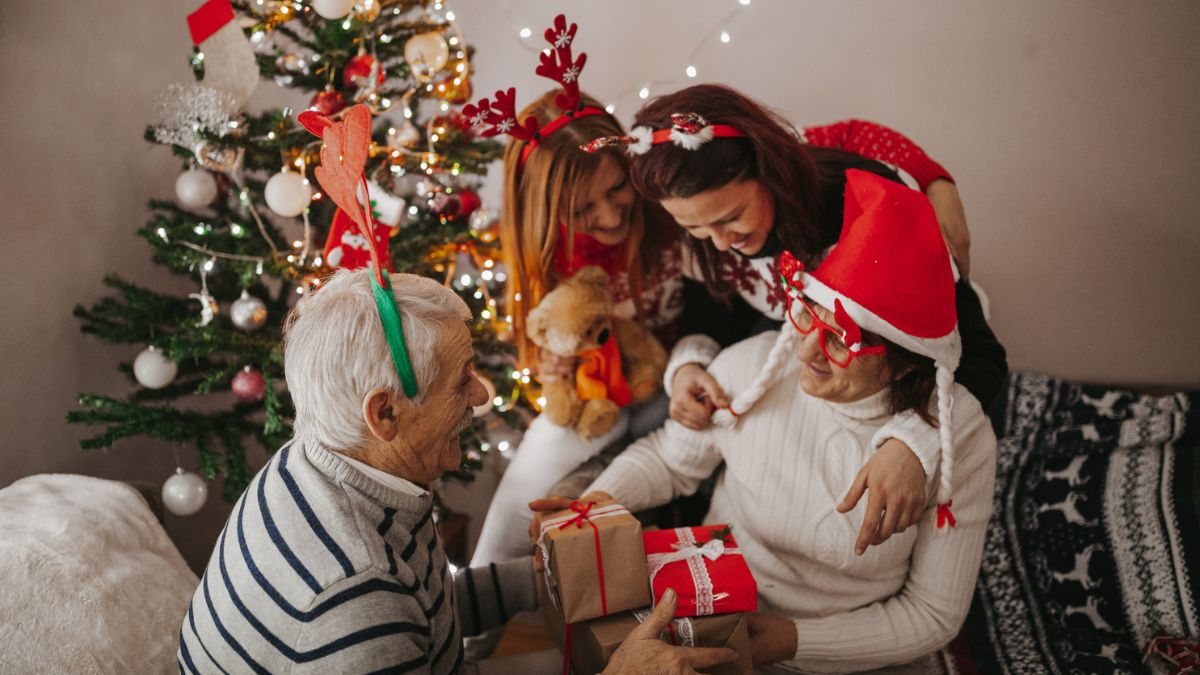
<point>248,312</point>
<point>187,111</point>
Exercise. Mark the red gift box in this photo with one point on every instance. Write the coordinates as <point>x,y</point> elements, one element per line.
<point>706,570</point>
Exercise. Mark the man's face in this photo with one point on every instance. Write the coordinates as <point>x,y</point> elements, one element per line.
<point>448,409</point>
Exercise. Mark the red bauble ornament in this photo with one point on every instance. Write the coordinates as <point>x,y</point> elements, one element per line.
<point>468,201</point>
<point>248,385</point>
<point>329,102</point>
<point>358,69</point>
<point>445,205</point>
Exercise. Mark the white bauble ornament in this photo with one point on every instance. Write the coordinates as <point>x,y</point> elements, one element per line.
<point>248,312</point>
<point>184,493</point>
<point>426,54</point>
<point>332,9</point>
<point>288,193</point>
<point>153,370</point>
<point>195,188</point>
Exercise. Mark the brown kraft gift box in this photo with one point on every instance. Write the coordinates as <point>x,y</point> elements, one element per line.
<point>572,577</point>
<point>595,641</point>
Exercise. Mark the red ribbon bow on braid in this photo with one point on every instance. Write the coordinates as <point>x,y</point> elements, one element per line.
<point>499,115</point>
<point>1183,655</point>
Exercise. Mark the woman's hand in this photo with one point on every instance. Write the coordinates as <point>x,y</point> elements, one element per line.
<point>546,505</point>
<point>949,210</point>
<point>552,367</point>
<point>895,480</point>
<point>695,394</point>
<point>772,637</point>
<point>644,654</point>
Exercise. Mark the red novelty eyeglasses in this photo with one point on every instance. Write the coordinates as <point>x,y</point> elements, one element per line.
<point>832,340</point>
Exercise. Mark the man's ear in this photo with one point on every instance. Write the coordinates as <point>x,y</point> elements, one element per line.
<point>386,412</point>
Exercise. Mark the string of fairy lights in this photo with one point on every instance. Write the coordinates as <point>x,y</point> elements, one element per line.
<point>672,76</point>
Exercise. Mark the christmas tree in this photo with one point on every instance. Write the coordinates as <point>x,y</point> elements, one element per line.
<point>249,221</point>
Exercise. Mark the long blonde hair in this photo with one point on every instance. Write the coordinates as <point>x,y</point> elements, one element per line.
<point>542,194</point>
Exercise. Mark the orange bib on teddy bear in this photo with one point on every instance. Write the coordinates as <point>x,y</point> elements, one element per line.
<point>599,375</point>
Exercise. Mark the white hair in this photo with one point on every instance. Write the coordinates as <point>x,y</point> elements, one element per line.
<point>335,351</point>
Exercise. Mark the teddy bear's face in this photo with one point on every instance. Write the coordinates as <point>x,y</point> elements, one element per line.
<point>574,317</point>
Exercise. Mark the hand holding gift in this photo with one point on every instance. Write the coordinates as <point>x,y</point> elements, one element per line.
<point>643,651</point>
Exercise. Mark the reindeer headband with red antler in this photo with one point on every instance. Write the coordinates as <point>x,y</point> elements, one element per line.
<point>499,115</point>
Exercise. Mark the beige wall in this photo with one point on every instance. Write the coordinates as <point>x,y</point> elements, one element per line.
<point>1073,128</point>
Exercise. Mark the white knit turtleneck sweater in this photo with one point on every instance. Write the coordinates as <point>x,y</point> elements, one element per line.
<point>788,463</point>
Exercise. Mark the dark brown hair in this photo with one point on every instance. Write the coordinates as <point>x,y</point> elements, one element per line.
<point>914,389</point>
<point>772,153</point>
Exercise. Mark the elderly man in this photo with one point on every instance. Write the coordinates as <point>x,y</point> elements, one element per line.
<point>330,561</point>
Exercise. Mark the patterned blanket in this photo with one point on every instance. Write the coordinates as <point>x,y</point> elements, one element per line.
<point>1094,545</point>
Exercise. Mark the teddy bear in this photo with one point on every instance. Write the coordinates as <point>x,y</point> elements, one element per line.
<point>619,361</point>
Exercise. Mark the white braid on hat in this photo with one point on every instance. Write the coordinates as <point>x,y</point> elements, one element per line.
<point>785,346</point>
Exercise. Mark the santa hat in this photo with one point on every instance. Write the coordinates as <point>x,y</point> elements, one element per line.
<point>891,275</point>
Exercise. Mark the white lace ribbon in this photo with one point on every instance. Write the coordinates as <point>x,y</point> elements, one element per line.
<point>686,549</point>
<point>685,632</point>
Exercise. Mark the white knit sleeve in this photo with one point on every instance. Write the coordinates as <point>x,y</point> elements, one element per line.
<point>908,428</point>
<point>668,463</point>
<point>929,609</point>
<point>698,348</point>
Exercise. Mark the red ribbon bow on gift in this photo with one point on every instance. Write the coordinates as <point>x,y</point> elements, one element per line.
<point>582,510</point>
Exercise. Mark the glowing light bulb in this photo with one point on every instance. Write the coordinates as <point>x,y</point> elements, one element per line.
<point>691,71</point>
<point>525,32</point>
<point>644,93</point>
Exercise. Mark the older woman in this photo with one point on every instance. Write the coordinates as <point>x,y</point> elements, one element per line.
<point>870,335</point>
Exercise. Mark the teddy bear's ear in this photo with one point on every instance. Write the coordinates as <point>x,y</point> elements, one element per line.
<point>592,276</point>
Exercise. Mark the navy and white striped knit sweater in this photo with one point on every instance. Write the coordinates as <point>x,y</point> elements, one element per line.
<point>321,569</point>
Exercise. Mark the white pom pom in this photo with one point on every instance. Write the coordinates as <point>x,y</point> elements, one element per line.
<point>645,139</point>
<point>691,141</point>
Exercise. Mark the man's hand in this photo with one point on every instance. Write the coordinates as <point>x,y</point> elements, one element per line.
<point>695,394</point>
<point>644,654</point>
<point>950,215</point>
<point>896,483</point>
<point>772,637</point>
<point>546,505</point>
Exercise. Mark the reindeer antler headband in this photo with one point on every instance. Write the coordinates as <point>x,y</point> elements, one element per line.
<point>688,130</point>
<point>344,150</point>
<point>499,114</point>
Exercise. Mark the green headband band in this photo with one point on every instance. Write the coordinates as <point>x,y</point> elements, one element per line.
<point>390,318</point>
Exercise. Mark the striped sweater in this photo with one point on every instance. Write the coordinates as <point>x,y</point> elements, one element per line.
<point>321,569</point>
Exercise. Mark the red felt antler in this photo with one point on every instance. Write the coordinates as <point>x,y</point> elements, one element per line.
<point>347,144</point>
<point>851,333</point>
<point>558,64</point>
<point>493,118</point>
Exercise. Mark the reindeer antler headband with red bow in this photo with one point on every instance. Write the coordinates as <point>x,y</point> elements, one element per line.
<point>688,130</point>
<point>499,114</point>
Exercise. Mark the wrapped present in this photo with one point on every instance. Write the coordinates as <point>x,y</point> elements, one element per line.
<point>704,566</point>
<point>594,561</point>
<point>593,642</point>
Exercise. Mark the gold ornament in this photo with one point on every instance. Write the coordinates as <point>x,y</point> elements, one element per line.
<point>426,54</point>
<point>367,10</point>
<point>220,158</point>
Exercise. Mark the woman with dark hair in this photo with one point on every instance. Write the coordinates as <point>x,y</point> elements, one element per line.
<point>871,333</point>
<point>745,185</point>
